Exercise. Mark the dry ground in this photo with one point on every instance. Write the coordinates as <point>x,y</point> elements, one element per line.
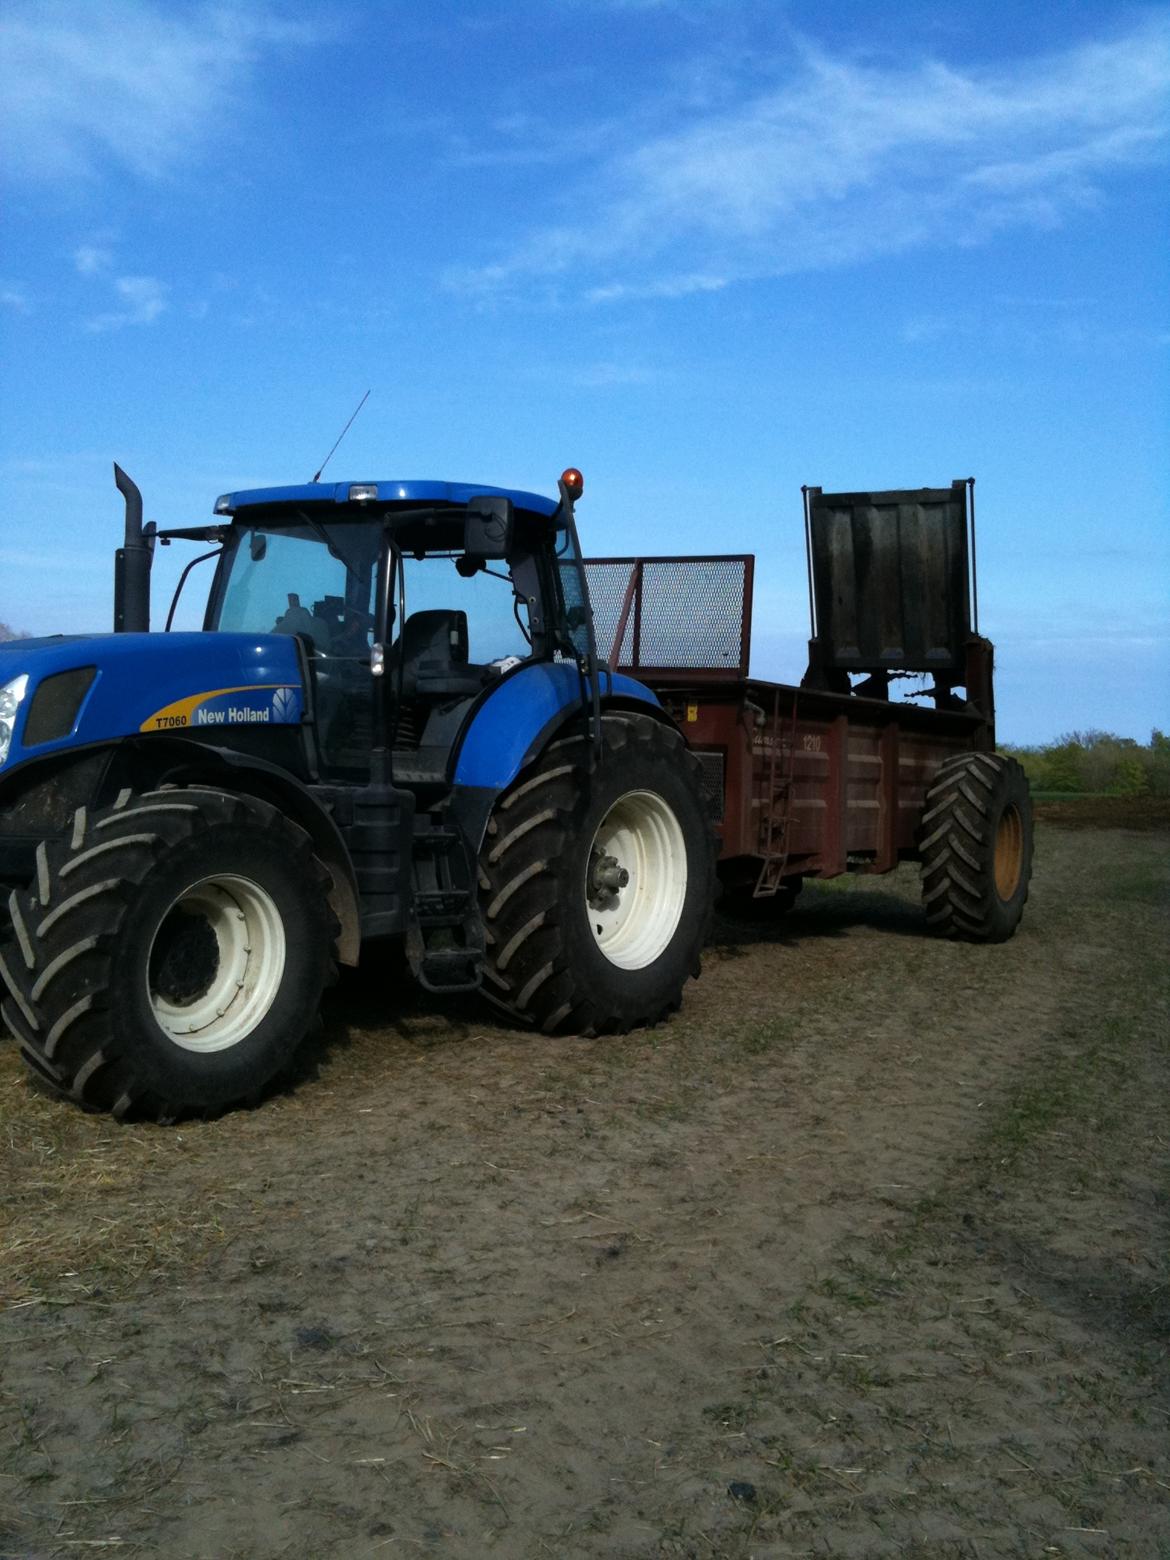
<point>862,1254</point>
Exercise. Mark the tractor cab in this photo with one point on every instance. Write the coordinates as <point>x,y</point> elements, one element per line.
<point>409,600</point>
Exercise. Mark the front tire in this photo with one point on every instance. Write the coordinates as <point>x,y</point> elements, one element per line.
<point>975,841</point>
<point>597,883</point>
<point>170,955</point>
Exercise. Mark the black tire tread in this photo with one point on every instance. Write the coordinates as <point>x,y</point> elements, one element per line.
<point>956,843</point>
<point>71,916</point>
<point>527,969</point>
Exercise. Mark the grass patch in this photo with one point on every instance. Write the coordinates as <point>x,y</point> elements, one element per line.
<point>1078,1091</point>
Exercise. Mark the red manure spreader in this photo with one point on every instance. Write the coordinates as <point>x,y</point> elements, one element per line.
<point>834,775</point>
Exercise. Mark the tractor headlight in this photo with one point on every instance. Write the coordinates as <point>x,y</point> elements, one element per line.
<point>10,696</point>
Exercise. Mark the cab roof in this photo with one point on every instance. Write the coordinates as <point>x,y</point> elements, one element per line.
<point>396,491</point>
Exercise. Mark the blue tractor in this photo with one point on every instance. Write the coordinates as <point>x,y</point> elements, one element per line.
<point>394,724</point>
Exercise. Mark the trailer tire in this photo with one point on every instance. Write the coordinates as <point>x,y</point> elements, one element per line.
<point>975,843</point>
<point>170,954</point>
<point>570,947</point>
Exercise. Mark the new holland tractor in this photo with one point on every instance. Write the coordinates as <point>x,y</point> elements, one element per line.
<point>394,724</point>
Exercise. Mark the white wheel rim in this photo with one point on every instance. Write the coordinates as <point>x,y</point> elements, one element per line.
<point>237,937</point>
<point>633,922</point>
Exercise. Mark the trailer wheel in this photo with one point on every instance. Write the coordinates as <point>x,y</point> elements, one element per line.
<point>597,884</point>
<point>975,842</point>
<point>170,955</point>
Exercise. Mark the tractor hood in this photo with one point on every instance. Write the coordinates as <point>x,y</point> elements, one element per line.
<point>68,692</point>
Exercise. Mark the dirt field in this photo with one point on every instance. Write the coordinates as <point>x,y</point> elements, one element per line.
<point>863,1254</point>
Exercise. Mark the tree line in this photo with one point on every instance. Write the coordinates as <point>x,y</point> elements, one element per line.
<point>1098,762</point>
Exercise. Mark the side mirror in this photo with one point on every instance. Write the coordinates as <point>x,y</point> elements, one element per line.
<point>488,528</point>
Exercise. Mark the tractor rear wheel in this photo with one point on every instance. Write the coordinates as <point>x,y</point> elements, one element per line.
<point>597,883</point>
<point>975,841</point>
<point>170,954</point>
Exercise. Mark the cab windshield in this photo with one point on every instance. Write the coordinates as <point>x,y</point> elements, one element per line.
<point>318,580</point>
<point>454,625</point>
<point>310,579</point>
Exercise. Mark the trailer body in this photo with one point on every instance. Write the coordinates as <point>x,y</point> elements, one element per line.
<point>803,783</point>
<point>831,775</point>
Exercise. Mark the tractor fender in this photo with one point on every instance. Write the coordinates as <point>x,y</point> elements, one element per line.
<point>514,724</point>
<point>519,715</point>
<point>615,704</point>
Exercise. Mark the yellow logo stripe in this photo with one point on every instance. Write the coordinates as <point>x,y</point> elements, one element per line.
<point>180,712</point>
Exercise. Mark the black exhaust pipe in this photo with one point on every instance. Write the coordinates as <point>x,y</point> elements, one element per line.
<point>132,564</point>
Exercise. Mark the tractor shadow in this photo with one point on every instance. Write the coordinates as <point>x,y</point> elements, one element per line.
<point>821,911</point>
<point>380,1003</point>
<point>1096,1292</point>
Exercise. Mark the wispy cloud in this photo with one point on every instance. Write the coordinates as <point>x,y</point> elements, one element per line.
<point>844,160</point>
<point>141,299</point>
<point>1032,325</point>
<point>90,259</point>
<point>664,287</point>
<point>139,83</point>
<point>608,375</point>
<point>130,299</point>
<point>930,328</point>
<point>16,299</point>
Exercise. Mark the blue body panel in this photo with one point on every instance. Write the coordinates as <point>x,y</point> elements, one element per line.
<point>159,682</point>
<point>408,489</point>
<point>508,724</point>
<point>177,682</point>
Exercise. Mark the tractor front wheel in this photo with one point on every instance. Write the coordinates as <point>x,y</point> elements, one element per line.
<point>170,955</point>
<point>597,882</point>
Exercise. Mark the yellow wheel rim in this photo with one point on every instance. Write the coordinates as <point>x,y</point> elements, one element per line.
<point>1009,852</point>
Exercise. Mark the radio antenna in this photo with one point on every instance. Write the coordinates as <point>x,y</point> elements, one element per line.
<point>340,436</point>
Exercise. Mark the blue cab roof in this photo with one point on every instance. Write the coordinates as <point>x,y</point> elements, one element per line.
<point>412,490</point>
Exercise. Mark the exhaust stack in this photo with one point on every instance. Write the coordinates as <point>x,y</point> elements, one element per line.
<point>132,563</point>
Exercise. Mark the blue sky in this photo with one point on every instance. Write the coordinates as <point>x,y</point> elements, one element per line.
<point>706,251</point>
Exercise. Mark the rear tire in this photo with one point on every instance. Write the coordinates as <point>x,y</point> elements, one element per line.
<point>170,955</point>
<point>975,841</point>
<point>571,946</point>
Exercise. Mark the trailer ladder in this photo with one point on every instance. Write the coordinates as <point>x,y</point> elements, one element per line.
<point>775,805</point>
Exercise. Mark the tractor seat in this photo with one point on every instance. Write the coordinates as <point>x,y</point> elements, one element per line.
<point>433,651</point>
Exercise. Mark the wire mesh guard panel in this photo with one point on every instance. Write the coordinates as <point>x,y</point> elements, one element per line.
<point>685,613</point>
